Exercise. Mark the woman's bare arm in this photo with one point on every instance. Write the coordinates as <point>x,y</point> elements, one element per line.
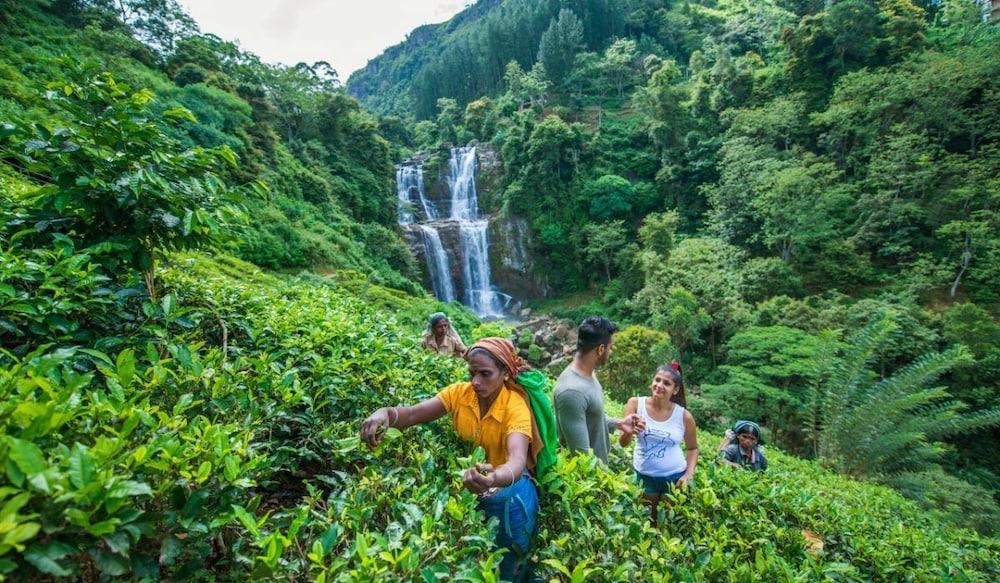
<point>400,418</point>
<point>691,443</point>
<point>501,476</point>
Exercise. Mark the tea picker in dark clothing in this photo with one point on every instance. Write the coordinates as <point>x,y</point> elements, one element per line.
<point>741,448</point>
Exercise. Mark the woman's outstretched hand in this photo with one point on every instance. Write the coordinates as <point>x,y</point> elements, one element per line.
<point>373,428</point>
<point>479,479</point>
<point>632,424</point>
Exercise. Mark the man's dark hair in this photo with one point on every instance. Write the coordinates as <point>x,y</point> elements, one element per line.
<point>593,332</point>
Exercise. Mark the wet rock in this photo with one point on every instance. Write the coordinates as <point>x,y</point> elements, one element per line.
<point>555,337</point>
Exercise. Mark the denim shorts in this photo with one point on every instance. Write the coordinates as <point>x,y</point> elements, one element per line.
<point>516,507</point>
<point>657,485</point>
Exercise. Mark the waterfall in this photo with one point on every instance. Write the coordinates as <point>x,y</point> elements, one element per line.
<point>462,184</point>
<point>410,186</point>
<point>404,182</point>
<point>473,233</point>
<point>410,182</point>
<point>437,264</point>
<point>479,293</point>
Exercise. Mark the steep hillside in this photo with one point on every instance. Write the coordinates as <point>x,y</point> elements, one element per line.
<point>465,57</point>
<point>228,448</point>
<point>383,85</point>
<point>330,196</point>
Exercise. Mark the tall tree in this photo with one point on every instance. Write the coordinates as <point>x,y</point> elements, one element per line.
<point>620,64</point>
<point>560,44</point>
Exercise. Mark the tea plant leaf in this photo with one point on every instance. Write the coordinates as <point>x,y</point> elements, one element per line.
<point>249,522</point>
<point>170,549</point>
<point>28,456</point>
<point>81,467</point>
<point>108,563</point>
<point>125,367</point>
<point>46,558</point>
<point>21,533</point>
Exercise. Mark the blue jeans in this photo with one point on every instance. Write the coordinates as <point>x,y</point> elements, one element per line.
<point>657,485</point>
<point>516,507</point>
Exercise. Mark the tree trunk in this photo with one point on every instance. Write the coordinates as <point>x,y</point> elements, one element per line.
<point>964,265</point>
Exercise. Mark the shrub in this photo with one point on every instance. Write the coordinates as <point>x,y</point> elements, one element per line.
<point>229,450</point>
<point>190,73</point>
<point>638,351</point>
<point>112,176</point>
<point>491,329</point>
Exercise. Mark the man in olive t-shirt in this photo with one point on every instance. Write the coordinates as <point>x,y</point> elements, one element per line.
<point>578,396</point>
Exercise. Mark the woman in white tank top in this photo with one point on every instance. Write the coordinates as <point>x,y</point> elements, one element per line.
<point>658,460</point>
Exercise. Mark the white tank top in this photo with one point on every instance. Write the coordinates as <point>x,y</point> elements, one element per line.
<point>658,448</point>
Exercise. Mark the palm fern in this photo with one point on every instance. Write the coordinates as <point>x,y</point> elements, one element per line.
<point>885,426</point>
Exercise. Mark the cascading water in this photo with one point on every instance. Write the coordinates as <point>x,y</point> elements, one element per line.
<point>410,185</point>
<point>410,180</point>
<point>404,182</point>
<point>437,264</point>
<point>473,233</point>
<point>462,184</point>
<point>479,292</point>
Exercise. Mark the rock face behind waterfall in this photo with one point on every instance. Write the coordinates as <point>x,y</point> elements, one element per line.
<point>509,236</point>
<point>511,257</point>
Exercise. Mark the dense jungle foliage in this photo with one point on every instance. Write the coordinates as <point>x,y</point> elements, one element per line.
<point>809,224</point>
<point>327,166</point>
<point>799,200</point>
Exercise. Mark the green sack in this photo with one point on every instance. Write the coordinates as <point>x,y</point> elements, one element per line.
<point>538,387</point>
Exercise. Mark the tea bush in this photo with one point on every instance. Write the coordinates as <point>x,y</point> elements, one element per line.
<point>225,447</point>
<point>637,352</point>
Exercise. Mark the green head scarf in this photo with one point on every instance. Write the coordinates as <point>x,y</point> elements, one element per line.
<point>743,426</point>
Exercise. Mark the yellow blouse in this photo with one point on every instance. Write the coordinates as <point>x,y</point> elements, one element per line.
<point>508,414</point>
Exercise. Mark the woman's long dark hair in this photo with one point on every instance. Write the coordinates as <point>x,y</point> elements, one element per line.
<point>674,370</point>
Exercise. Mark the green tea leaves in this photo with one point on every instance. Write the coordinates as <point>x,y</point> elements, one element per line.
<point>26,455</point>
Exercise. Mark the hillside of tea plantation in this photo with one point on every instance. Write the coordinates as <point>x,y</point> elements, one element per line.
<point>755,186</point>
<point>225,447</point>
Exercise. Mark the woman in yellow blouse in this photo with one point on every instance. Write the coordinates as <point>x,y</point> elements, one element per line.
<point>490,410</point>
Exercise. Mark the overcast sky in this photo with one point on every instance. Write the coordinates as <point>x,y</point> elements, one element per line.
<point>345,33</point>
